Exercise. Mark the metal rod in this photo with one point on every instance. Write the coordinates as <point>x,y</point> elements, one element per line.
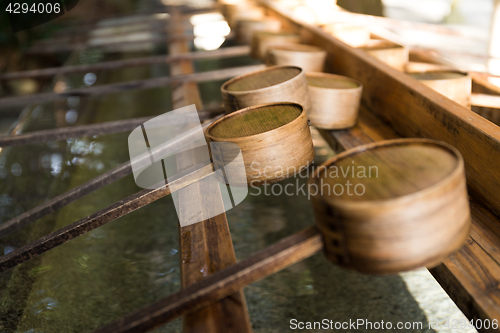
<point>66,47</point>
<point>130,85</point>
<point>276,257</point>
<point>110,213</point>
<point>84,130</point>
<point>110,65</point>
<point>93,33</point>
<point>80,191</point>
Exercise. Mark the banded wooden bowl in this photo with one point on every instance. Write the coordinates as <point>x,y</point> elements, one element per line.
<point>455,85</point>
<point>309,58</point>
<point>406,205</point>
<point>274,139</point>
<point>269,85</point>
<point>335,100</point>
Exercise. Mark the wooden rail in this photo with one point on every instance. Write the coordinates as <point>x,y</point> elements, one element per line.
<point>395,105</point>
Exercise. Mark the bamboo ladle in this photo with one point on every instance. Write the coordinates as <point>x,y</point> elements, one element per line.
<point>276,257</point>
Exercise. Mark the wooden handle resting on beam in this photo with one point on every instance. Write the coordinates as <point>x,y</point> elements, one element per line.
<point>221,284</point>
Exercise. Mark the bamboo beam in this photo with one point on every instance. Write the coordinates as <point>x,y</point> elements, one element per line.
<point>117,64</point>
<point>276,257</point>
<point>126,86</point>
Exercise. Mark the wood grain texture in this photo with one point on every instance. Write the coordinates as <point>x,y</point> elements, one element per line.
<point>469,276</point>
<point>279,147</point>
<point>205,247</point>
<point>270,85</point>
<point>335,100</point>
<point>263,40</point>
<point>309,58</point>
<point>411,208</point>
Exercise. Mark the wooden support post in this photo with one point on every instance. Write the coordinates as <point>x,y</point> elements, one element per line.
<point>205,247</point>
